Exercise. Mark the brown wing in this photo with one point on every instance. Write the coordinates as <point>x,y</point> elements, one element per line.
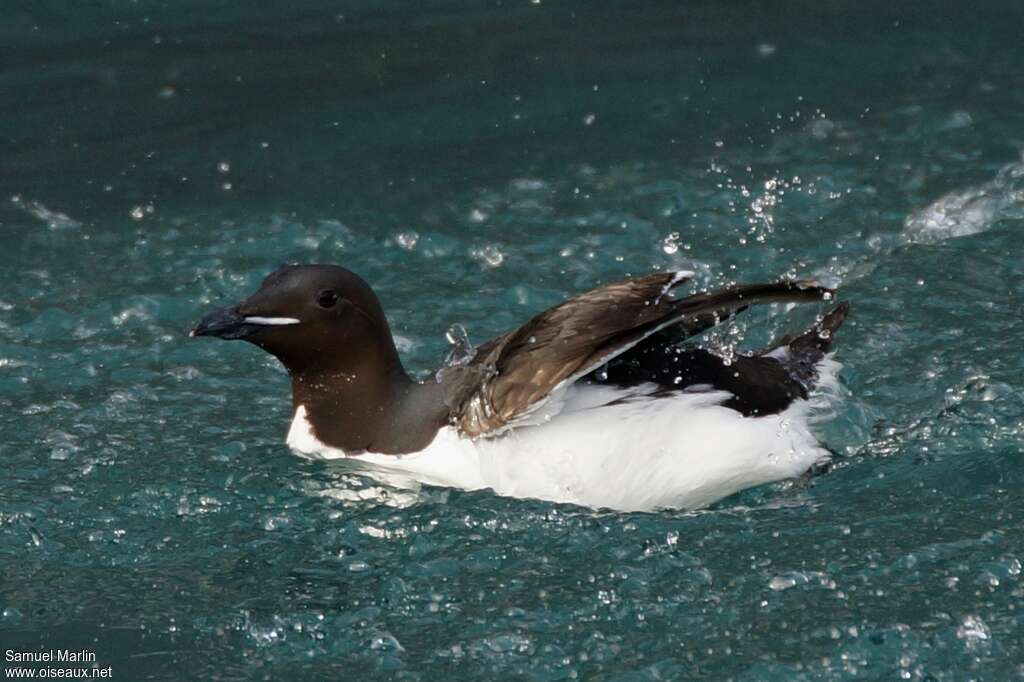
<point>512,375</point>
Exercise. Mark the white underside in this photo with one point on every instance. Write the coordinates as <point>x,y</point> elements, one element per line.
<point>683,451</point>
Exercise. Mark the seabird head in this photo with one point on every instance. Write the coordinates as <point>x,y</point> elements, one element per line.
<point>311,317</point>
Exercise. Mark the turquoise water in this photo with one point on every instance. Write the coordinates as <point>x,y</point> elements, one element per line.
<point>477,162</point>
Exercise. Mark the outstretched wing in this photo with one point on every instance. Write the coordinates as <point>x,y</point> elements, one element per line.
<point>512,375</point>
<point>760,383</point>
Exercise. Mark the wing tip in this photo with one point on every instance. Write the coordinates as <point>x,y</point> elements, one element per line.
<point>835,317</point>
<point>813,287</point>
<point>678,277</point>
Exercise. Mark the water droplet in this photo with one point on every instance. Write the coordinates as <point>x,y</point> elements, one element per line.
<point>272,523</point>
<point>490,254</point>
<point>973,631</point>
<point>385,642</point>
<point>462,349</point>
<point>407,240</point>
<point>781,582</point>
<point>670,244</point>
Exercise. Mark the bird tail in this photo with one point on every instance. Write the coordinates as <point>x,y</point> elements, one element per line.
<point>801,353</point>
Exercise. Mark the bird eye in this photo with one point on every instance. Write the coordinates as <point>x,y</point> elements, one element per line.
<point>327,298</point>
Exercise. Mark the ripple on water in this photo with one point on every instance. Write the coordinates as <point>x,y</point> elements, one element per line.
<point>148,500</point>
<point>971,210</point>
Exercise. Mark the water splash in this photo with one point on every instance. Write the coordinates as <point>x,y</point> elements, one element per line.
<point>960,213</point>
<point>462,351</point>
<point>970,211</point>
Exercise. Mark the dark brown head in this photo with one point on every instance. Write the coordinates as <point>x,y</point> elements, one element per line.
<point>313,318</point>
<point>327,327</point>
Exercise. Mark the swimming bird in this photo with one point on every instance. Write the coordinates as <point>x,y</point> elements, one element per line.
<point>598,401</point>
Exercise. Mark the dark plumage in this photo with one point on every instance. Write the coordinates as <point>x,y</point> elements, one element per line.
<point>760,383</point>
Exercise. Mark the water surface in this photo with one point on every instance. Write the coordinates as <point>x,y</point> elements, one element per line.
<point>476,163</point>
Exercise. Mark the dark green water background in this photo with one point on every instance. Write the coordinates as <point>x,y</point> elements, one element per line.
<point>477,162</point>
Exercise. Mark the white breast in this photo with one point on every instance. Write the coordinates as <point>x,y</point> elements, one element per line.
<point>643,453</point>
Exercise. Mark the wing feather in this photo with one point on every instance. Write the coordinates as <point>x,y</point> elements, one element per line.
<point>512,375</point>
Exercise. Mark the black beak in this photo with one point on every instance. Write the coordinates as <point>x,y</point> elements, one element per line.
<point>226,323</point>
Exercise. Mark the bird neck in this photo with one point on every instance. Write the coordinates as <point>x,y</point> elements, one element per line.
<point>370,406</point>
